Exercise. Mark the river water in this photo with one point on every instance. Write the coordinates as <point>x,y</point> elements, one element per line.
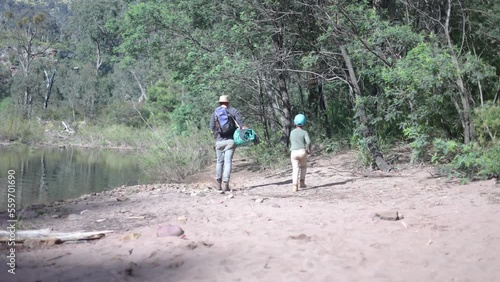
<point>47,174</point>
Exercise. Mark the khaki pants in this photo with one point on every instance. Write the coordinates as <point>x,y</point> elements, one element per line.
<point>299,165</point>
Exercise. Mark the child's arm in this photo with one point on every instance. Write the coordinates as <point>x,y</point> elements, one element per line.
<point>308,143</point>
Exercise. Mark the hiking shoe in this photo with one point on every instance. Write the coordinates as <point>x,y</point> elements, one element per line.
<point>219,184</point>
<point>295,188</point>
<point>225,186</point>
<point>303,184</point>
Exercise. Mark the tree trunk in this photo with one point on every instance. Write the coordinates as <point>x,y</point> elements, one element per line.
<point>367,132</point>
<point>287,125</point>
<point>98,62</point>
<point>278,42</point>
<point>144,96</point>
<point>464,112</point>
<point>274,109</point>
<point>263,109</point>
<point>28,98</point>
<point>49,81</point>
<point>323,109</point>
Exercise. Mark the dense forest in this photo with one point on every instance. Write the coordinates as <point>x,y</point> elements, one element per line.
<point>369,75</point>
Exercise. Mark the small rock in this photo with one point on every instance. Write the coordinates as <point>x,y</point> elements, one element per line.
<point>56,216</point>
<point>389,215</point>
<point>202,195</point>
<point>121,198</point>
<point>169,230</point>
<point>182,219</point>
<point>301,236</point>
<point>230,196</point>
<point>259,200</point>
<point>276,205</point>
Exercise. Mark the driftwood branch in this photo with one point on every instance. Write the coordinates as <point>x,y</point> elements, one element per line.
<point>67,128</point>
<point>47,234</point>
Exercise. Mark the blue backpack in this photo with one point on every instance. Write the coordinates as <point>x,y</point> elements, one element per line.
<point>224,121</point>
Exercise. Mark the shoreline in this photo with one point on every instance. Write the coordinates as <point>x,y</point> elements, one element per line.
<point>68,145</point>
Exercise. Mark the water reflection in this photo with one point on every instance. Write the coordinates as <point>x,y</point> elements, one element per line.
<point>49,174</point>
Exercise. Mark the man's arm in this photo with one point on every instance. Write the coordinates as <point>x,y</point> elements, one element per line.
<point>234,112</point>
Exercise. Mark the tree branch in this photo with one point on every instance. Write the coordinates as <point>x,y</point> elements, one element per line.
<point>362,41</point>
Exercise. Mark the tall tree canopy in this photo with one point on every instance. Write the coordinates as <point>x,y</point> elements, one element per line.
<point>367,71</point>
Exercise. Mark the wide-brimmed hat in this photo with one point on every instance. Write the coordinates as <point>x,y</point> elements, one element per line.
<point>224,99</point>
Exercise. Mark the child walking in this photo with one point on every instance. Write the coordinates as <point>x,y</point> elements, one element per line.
<point>300,148</point>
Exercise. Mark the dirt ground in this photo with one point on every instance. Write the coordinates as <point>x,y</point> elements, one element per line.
<point>263,231</point>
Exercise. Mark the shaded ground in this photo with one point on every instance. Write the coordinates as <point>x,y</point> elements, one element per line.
<point>325,232</point>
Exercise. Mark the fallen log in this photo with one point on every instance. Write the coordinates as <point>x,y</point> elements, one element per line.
<point>47,234</point>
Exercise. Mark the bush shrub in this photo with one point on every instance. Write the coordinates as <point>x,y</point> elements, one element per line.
<point>174,157</point>
<point>268,155</point>
<point>14,128</point>
<point>468,161</point>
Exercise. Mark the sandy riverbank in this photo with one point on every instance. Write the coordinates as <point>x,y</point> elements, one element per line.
<point>265,232</point>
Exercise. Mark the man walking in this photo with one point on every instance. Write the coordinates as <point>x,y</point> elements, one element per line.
<point>223,123</point>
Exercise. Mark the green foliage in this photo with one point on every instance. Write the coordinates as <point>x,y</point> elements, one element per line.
<point>445,151</point>
<point>115,135</point>
<point>175,157</point>
<point>419,141</point>
<point>267,155</point>
<point>14,128</point>
<point>124,113</point>
<point>487,123</point>
<point>163,99</point>
<point>468,161</point>
<point>187,118</point>
<point>5,105</point>
<point>361,146</point>
<point>419,82</point>
<point>490,162</point>
<point>331,146</point>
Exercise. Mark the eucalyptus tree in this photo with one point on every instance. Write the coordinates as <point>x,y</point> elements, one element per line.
<point>91,18</point>
<point>24,37</point>
<point>176,38</point>
<point>468,33</point>
<point>97,37</point>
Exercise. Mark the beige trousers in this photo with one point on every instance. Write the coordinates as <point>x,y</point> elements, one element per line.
<point>299,165</point>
